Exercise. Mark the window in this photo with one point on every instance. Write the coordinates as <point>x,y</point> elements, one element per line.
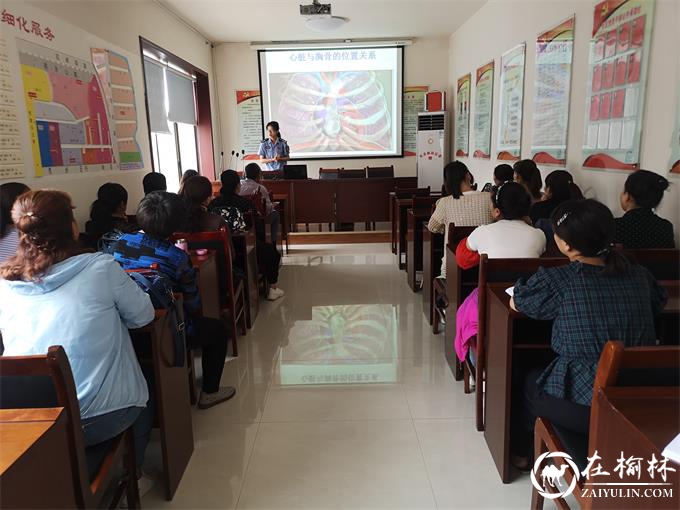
<point>176,95</point>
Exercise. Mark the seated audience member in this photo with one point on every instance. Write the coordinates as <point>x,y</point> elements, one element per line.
<point>108,212</point>
<point>9,237</point>
<point>559,187</point>
<point>251,185</point>
<point>509,237</point>
<point>154,181</point>
<point>640,227</point>
<point>160,214</point>
<point>528,175</point>
<point>53,294</point>
<point>197,193</point>
<point>599,296</point>
<point>503,173</point>
<point>188,174</point>
<point>463,206</point>
<point>268,257</point>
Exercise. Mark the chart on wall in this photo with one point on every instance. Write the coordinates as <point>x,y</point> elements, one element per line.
<point>249,115</point>
<point>617,73</point>
<point>483,111</point>
<point>674,163</point>
<point>509,141</point>
<point>552,84</point>
<point>462,140</point>
<point>414,103</point>
<point>79,111</point>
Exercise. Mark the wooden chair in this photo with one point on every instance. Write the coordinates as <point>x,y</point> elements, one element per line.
<point>51,374</point>
<point>451,292</point>
<point>663,264</point>
<point>496,270</point>
<point>352,173</point>
<point>380,172</point>
<point>329,173</point>
<point>234,304</point>
<point>618,366</point>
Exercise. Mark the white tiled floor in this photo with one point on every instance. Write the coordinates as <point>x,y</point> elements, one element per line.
<point>344,400</point>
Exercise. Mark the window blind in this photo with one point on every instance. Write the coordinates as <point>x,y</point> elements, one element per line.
<point>181,104</point>
<point>155,92</point>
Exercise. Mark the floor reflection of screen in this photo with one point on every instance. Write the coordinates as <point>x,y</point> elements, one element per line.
<point>353,344</point>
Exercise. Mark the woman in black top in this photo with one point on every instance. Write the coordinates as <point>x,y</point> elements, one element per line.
<point>268,257</point>
<point>559,187</point>
<point>640,227</point>
<point>108,212</point>
<point>529,176</point>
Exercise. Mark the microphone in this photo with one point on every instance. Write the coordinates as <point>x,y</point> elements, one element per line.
<point>221,161</point>
<point>243,159</point>
<point>231,158</point>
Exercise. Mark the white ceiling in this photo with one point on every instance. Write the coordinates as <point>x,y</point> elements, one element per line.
<point>280,20</point>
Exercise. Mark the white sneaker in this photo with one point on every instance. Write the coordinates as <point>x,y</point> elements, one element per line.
<point>144,484</point>
<point>207,400</point>
<point>275,293</point>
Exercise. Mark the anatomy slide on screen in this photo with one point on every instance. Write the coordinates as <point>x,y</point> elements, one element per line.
<point>339,102</point>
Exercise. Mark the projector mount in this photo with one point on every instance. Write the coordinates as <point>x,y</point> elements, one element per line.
<point>315,9</point>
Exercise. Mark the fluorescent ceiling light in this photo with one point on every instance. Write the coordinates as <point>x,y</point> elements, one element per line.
<point>325,23</point>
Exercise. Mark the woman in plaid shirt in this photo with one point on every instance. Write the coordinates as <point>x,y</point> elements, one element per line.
<point>599,296</point>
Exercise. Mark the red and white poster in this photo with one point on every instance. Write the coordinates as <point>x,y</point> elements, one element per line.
<point>249,122</point>
<point>619,54</point>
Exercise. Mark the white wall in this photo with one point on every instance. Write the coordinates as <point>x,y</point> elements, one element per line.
<point>425,63</point>
<point>501,24</point>
<point>121,23</point>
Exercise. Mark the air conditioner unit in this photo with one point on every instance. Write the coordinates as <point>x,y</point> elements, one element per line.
<point>432,149</point>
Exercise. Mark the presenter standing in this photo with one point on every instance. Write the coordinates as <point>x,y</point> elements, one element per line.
<point>274,150</point>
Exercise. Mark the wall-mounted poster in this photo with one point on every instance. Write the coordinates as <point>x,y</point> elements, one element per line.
<point>675,141</point>
<point>619,53</point>
<point>414,102</point>
<point>552,83</point>
<point>509,141</point>
<point>483,111</point>
<point>68,99</point>
<point>462,141</point>
<point>249,122</point>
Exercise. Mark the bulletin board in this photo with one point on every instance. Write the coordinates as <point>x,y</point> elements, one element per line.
<point>509,143</point>
<point>462,140</point>
<point>617,73</point>
<point>249,122</point>
<point>69,102</point>
<point>483,111</point>
<point>552,85</point>
<point>414,103</point>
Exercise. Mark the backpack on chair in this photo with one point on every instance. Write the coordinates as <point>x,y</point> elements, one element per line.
<point>159,290</point>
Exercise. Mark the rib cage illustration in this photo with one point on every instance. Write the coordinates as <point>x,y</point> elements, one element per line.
<point>336,111</point>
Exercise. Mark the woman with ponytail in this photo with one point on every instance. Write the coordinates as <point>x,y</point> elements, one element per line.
<point>529,176</point>
<point>9,237</point>
<point>598,296</point>
<point>108,212</point>
<point>52,293</point>
<point>640,227</point>
<point>559,187</point>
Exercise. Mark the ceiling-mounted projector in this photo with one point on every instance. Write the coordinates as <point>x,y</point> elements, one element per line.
<point>319,17</point>
<point>315,9</point>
